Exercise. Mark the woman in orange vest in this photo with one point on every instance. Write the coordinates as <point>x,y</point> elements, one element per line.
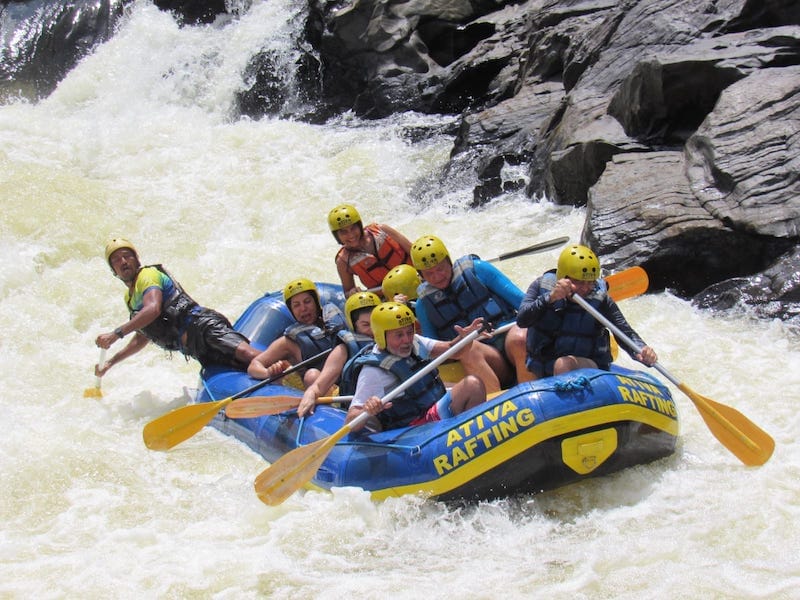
<point>369,252</point>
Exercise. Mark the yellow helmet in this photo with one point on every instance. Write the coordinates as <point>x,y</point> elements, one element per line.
<point>358,301</point>
<point>116,244</point>
<point>298,286</point>
<point>388,316</point>
<point>427,252</point>
<point>403,279</point>
<point>579,263</point>
<point>342,216</point>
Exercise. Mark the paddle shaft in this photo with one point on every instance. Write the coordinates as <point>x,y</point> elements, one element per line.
<point>289,371</point>
<point>101,360</point>
<point>615,330</point>
<point>540,247</point>
<point>259,406</point>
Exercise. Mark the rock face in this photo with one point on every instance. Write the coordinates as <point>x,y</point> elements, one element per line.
<point>675,122</point>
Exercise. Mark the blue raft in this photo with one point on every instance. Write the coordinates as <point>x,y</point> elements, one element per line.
<point>533,437</point>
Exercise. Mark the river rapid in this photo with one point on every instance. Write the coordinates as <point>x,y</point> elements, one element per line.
<point>137,142</point>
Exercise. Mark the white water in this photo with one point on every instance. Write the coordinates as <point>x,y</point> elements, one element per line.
<point>137,142</point>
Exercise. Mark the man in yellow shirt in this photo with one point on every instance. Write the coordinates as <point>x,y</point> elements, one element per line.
<point>162,313</point>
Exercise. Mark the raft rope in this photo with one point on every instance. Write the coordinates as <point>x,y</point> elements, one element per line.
<point>571,385</point>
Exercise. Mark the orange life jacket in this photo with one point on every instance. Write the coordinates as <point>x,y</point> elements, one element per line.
<point>369,268</point>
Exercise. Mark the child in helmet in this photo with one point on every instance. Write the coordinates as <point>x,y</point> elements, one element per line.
<point>562,336</point>
<point>357,311</point>
<point>368,252</point>
<point>397,354</point>
<point>400,285</point>
<point>454,293</point>
<point>311,334</point>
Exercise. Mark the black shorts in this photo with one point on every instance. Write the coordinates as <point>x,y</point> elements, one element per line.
<point>212,340</point>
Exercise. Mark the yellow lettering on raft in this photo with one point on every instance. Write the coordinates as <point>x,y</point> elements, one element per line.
<point>480,422</point>
<point>655,400</point>
<point>465,449</point>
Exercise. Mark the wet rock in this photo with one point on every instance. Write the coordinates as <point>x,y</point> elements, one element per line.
<point>773,293</point>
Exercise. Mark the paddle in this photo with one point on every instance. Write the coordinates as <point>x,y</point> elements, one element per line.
<point>182,423</point>
<point>540,247</point>
<point>260,406</point>
<point>96,392</point>
<point>294,469</point>
<point>748,442</point>
<point>627,284</point>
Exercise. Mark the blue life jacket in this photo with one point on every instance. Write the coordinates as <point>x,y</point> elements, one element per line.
<point>464,300</point>
<point>417,398</point>
<point>176,308</point>
<point>355,342</point>
<point>316,338</point>
<point>566,329</point>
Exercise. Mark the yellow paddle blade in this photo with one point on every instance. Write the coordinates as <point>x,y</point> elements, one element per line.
<point>180,424</point>
<point>260,406</point>
<point>746,440</point>
<point>628,283</point>
<point>293,470</point>
<point>614,347</point>
<point>94,392</point>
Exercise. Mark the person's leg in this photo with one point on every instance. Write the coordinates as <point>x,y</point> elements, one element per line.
<point>487,364</point>
<point>246,353</point>
<point>517,353</point>
<point>467,393</point>
<point>565,364</point>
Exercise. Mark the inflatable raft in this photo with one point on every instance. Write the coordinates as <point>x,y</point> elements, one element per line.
<point>533,437</point>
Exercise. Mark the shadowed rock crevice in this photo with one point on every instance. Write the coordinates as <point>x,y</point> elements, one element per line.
<point>698,258</point>
<point>665,104</point>
<point>462,92</point>
<point>759,14</point>
<point>447,42</point>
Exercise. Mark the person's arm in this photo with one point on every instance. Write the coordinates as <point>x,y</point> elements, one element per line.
<point>425,325</point>
<point>372,382</point>
<point>331,371</point>
<point>398,237</point>
<point>346,277</point>
<point>498,282</point>
<point>151,309</point>
<point>439,347</point>
<point>533,305</point>
<point>138,341</point>
<point>278,357</point>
